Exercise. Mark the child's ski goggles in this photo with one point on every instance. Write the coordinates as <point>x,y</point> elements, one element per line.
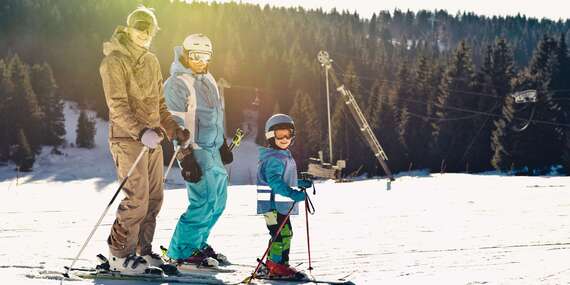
<point>201,57</point>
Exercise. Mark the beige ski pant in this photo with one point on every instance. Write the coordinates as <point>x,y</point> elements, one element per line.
<point>133,229</point>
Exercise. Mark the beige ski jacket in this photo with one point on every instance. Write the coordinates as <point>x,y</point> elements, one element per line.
<point>132,83</point>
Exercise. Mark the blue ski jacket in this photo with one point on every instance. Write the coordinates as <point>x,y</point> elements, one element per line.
<point>195,102</point>
<point>276,175</point>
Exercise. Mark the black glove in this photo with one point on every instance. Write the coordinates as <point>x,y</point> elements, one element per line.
<point>226,153</point>
<point>191,171</point>
<point>182,136</point>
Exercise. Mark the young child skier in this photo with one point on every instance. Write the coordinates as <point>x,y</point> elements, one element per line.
<point>276,177</point>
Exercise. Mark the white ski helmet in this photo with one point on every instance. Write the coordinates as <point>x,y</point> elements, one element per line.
<point>278,121</point>
<point>198,43</point>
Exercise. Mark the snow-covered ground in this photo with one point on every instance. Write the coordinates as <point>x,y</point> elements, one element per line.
<point>440,229</point>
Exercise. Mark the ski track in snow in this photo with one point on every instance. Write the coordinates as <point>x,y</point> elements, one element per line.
<point>439,229</point>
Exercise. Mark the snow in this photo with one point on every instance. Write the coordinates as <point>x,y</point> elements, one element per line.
<point>427,229</point>
<point>243,171</point>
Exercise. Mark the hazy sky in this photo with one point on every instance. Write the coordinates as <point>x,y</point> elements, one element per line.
<point>538,9</point>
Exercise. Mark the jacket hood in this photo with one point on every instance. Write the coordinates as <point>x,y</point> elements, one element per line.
<point>177,66</point>
<point>120,42</point>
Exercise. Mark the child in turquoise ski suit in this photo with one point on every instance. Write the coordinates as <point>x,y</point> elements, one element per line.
<point>276,179</point>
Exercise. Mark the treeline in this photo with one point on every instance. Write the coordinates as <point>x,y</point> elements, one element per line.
<point>31,111</point>
<point>435,87</point>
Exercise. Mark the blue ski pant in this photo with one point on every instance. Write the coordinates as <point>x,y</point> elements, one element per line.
<point>207,201</point>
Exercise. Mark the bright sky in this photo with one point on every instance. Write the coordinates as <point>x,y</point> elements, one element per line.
<point>551,9</point>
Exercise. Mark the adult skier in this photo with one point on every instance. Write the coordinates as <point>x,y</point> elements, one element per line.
<point>193,97</point>
<point>138,118</point>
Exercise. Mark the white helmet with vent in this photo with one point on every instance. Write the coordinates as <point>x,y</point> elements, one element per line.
<point>198,43</point>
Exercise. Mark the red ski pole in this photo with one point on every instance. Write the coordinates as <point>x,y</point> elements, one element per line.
<point>270,243</point>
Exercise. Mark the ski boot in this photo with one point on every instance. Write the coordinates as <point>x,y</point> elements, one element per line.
<point>283,271</point>
<point>153,259</point>
<point>200,259</point>
<point>131,264</point>
<point>209,252</point>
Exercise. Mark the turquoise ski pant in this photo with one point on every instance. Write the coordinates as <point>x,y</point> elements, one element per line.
<point>207,203</point>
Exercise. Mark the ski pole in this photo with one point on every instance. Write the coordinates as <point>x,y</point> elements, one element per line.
<point>236,140</point>
<point>270,243</point>
<point>143,150</point>
<point>171,162</point>
<point>307,201</point>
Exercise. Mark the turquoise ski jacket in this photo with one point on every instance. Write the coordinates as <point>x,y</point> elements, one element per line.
<point>196,103</point>
<point>276,175</point>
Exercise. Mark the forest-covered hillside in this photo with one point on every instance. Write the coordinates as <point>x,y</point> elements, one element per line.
<point>434,86</point>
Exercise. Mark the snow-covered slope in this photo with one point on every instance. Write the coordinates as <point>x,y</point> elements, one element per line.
<point>448,229</point>
<point>440,229</point>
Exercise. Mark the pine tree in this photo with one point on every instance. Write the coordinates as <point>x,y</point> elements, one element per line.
<point>562,97</point>
<point>497,77</point>
<point>307,128</point>
<point>540,146</point>
<point>85,131</point>
<point>372,37</point>
<point>425,93</point>
<point>53,126</point>
<point>488,102</point>
<point>409,108</point>
<point>352,82</point>
<point>23,110</point>
<point>6,93</point>
<point>405,126</point>
<point>453,136</point>
<point>24,157</point>
<point>382,120</point>
<point>338,128</point>
<point>346,137</point>
<point>502,138</point>
<point>432,105</point>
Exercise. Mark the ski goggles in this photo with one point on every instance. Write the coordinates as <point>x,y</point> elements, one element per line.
<point>288,136</point>
<point>200,56</point>
<point>144,26</point>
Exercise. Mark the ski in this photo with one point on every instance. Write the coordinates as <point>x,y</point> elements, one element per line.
<point>166,273</point>
<point>193,268</point>
<point>300,278</point>
<point>156,276</point>
<point>221,266</point>
<point>147,277</point>
<point>305,280</point>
